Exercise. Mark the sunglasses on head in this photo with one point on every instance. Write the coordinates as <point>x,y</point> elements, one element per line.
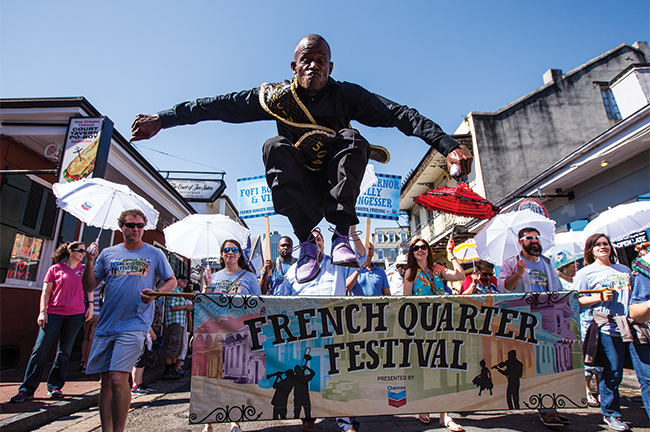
<point>133,225</point>
<point>78,250</point>
<point>400,266</point>
<point>418,247</point>
<point>530,238</point>
<point>231,249</point>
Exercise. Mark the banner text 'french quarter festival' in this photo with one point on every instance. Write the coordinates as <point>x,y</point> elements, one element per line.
<point>261,358</point>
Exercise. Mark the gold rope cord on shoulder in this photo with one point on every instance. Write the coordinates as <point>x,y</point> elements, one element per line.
<point>287,94</point>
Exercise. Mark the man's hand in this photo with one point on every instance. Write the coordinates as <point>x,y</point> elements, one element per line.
<point>91,252</point>
<point>521,267</point>
<point>145,126</point>
<point>268,266</point>
<point>145,297</point>
<point>475,276</point>
<point>462,160</point>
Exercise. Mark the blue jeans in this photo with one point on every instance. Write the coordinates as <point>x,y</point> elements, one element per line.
<point>68,327</point>
<point>641,360</point>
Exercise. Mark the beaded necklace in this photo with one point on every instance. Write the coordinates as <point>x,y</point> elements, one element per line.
<point>278,266</point>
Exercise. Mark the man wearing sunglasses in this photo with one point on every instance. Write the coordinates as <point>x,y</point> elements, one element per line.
<point>130,271</point>
<point>315,165</point>
<point>530,271</point>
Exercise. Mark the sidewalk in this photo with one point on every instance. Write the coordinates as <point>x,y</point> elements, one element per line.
<point>82,391</point>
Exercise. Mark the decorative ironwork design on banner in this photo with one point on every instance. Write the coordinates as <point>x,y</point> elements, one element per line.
<point>557,401</point>
<point>231,301</point>
<point>224,415</point>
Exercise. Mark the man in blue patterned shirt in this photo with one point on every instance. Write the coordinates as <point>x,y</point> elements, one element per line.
<point>176,321</point>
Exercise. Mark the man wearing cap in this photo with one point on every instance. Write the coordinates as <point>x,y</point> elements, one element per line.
<point>396,279</point>
<point>176,321</point>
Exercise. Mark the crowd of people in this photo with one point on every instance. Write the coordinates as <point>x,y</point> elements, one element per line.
<point>314,169</point>
<point>614,309</point>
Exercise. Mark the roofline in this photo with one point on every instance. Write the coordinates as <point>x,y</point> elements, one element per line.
<point>564,76</point>
<point>578,153</point>
<point>83,103</point>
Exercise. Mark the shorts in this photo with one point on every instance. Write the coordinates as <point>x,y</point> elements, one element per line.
<point>174,339</point>
<point>117,352</point>
<point>144,357</point>
<point>90,326</point>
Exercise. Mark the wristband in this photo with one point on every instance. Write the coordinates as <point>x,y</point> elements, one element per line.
<point>91,302</point>
<point>601,297</point>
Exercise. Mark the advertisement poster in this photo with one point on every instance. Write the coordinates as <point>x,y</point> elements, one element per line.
<point>263,358</point>
<point>254,198</point>
<point>381,200</point>
<point>80,151</point>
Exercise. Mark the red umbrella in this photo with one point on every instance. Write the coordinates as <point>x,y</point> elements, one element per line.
<point>460,200</point>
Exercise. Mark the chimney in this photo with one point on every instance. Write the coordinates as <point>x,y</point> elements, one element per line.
<point>552,75</point>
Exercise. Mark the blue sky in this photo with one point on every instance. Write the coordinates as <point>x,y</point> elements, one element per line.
<point>444,58</point>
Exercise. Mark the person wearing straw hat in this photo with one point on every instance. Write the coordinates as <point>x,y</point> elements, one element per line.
<point>315,165</point>
<point>130,270</point>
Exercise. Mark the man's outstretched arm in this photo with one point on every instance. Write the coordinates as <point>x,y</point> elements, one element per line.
<point>145,126</point>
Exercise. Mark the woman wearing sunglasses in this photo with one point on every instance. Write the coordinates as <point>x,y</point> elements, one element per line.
<point>235,277</point>
<point>423,277</point>
<point>62,314</point>
<point>610,311</point>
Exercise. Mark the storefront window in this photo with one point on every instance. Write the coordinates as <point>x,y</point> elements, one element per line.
<point>25,258</point>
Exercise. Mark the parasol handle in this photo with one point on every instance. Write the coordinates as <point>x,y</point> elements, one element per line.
<point>103,223</point>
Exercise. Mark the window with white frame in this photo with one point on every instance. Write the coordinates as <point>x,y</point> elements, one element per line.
<point>380,254</point>
<point>391,237</point>
<point>402,236</point>
<point>380,237</point>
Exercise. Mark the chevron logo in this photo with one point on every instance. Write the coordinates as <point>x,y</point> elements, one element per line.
<point>397,396</point>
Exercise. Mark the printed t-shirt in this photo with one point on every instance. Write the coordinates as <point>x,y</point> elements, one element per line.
<point>67,292</point>
<point>127,273</point>
<point>329,282</point>
<point>617,277</point>
<point>537,275</point>
<point>222,282</point>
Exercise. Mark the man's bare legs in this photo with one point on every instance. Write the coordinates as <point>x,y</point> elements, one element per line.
<point>114,400</point>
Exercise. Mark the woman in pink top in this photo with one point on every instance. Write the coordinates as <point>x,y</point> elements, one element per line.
<point>62,314</point>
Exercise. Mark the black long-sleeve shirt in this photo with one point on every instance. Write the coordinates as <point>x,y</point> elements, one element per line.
<point>334,107</point>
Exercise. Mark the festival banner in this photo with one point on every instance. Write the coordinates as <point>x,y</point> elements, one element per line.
<point>263,358</point>
<point>254,197</point>
<point>381,200</point>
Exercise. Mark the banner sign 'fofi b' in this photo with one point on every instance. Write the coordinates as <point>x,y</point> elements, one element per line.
<point>254,197</point>
<point>263,358</point>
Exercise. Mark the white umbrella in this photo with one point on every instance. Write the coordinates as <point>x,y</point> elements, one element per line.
<point>619,221</point>
<point>200,235</point>
<point>570,241</point>
<point>498,239</point>
<point>466,251</point>
<point>99,203</point>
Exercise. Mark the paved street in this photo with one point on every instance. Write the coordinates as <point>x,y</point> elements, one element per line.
<point>166,409</point>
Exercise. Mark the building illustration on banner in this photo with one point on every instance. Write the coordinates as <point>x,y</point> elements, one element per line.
<point>405,355</point>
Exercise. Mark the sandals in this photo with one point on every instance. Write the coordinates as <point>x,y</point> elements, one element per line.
<point>450,424</point>
<point>424,418</point>
<point>550,419</point>
<point>592,401</point>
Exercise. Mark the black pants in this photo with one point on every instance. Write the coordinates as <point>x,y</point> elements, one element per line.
<point>305,196</point>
